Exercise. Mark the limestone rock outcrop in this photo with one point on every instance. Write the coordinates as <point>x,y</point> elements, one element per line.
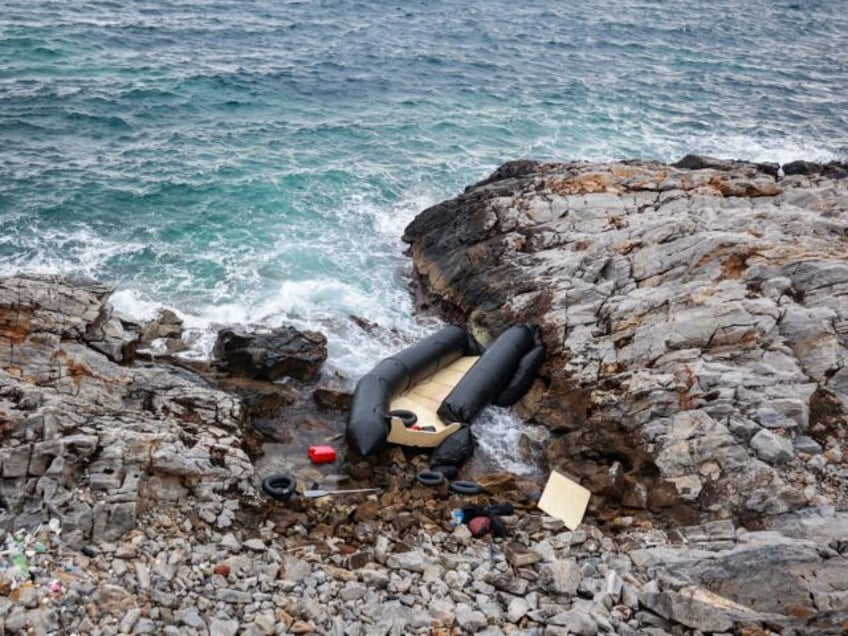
<point>92,443</point>
<point>696,320</point>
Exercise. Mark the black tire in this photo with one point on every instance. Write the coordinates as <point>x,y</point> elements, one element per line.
<point>431,478</point>
<point>407,417</point>
<point>466,487</point>
<point>279,487</point>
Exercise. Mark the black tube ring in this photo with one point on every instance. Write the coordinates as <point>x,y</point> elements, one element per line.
<point>431,478</point>
<point>407,417</point>
<point>465,487</point>
<point>279,486</point>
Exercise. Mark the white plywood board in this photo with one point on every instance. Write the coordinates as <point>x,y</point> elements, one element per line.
<point>565,500</point>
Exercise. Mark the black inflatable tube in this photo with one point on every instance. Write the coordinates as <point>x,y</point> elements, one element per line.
<point>367,426</point>
<point>489,375</point>
<point>523,377</point>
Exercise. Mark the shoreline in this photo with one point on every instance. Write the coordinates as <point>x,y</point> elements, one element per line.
<point>151,476</point>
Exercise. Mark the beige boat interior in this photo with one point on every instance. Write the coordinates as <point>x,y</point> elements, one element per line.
<point>424,399</point>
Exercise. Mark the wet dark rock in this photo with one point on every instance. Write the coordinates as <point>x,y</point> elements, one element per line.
<point>283,352</point>
<point>332,395</point>
<point>166,325</point>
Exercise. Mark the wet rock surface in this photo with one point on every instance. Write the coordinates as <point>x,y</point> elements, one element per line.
<point>129,482</point>
<point>283,352</point>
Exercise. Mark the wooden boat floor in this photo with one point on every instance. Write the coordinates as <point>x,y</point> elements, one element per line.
<point>424,399</point>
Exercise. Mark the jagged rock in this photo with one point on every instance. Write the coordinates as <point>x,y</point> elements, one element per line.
<point>166,325</point>
<point>284,352</point>
<point>686,608</point>
<point>332,395</point>
<point>88,441</point>
<point>560,577</point>
<point>691,313</point>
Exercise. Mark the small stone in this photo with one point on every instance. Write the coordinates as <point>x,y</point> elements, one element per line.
<point>142,575</point>
<point>129,620</point>
<point>145,626</point>
<point>375,579</point>
<point>462,534</point>
<point>413,561</point>
<point>561,577</point>
<point>519,556</point>
<point>512,584</point>
<point>301,627</point>
<point>359,559</point>
<point>366,511</point>
<point>255,544</point>
<point>266,621</point>
<point>576,622</point>
<point>771,447</point>
<point>470,620</point>
<point>191,618</point>
<point>230,542</point>
<point>516,609</point>
<point>353,592</point>
<point>223,569</point>
<point>223,627</point>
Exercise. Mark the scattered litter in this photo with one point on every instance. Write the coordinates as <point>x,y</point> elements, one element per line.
<point>479,526</point>
<point>18,558</point>
<point>457,518</point>
<point>565,500</point>
<point>29,565</point>
<point>322,454</point>
<point>472,516</point>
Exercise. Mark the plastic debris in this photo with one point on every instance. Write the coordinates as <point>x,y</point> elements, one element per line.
<point>480,526</point>
<point>457,517</point>
<point>322,454</point>
<point>23,555</point>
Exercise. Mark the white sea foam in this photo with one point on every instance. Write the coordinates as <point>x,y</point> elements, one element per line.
<point>498,434</point>
<point>751,148</point>
<point>80,252</point>
<point>131,303</point>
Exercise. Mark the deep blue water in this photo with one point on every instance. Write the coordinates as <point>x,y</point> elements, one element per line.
<point>256,162</point>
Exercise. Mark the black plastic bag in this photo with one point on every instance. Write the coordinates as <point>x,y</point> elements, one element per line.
<point>454,450</point>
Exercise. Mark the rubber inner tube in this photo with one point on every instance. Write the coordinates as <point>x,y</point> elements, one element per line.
<point>407,417</point>
<point>465,487</point>
<point>431,478</point>
<point>279,486</point>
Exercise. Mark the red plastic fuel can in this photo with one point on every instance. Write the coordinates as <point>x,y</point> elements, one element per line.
<point>322,454</point>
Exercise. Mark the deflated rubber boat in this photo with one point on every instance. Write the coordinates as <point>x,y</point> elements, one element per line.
<point>429,393</point>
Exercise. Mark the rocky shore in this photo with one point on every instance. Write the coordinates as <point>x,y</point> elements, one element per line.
<point>696,318</point>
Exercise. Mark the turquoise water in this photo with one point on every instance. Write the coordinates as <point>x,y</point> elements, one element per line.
<point>256,162</point>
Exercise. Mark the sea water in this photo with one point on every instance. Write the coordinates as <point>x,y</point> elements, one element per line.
<point>255,163</point>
